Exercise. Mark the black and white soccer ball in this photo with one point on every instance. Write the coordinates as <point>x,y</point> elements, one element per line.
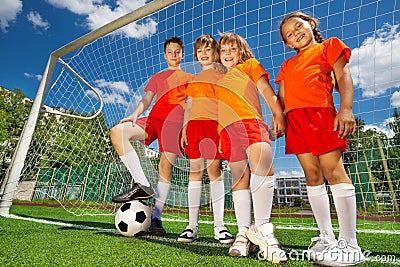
<point>133,217</point>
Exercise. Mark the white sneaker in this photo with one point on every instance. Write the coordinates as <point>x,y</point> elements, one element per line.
<point>320,242</point>
<point>189,234</point>
<point>340,254</point>
<point>240,246</point>
<point>223,235</point>
<point>263,236</point>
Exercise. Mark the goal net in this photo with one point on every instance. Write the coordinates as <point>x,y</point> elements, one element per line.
<point>95,85</point>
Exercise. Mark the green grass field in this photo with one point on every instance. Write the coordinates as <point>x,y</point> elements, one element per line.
<point>93,241</point>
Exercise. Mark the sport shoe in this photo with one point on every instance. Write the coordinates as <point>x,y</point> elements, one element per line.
<point>240,247</point>
<point>188,235</point>
<point>340,253</point>
<point>138,191</point>
<point>223,235</point>
<point>156,227</point>
<point>320,242</point>
<point>263,236</point>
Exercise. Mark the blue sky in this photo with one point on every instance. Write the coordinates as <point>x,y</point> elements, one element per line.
<point>31,30</point>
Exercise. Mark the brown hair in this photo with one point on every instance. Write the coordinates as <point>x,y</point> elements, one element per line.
<point>174,39</point>
<point>206,40</point>
<point>231,38</point>
<point>298,14</point>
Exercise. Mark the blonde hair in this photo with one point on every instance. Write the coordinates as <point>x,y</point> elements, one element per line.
<point>234,38</point>
<point>206,40</point>
<point>298,14</point>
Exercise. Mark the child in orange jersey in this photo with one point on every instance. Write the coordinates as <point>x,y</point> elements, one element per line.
<point>244,136</point>
<point>200,141</point>
<point>317,133</point>
<point>163,123</point>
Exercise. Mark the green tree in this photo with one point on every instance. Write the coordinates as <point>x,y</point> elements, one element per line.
<point>4,125</point>
<point>13,113</point>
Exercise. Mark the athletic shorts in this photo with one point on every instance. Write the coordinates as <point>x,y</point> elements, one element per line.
<point>310,130</point>
<point>168,134</point>
<point>203,139</point>
<point>238,136</point>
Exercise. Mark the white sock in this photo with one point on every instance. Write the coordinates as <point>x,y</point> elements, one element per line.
<point>242,204</point>
<point>217,191</point>
<point>319,201</point>
<point>161,198</point>
<point>132,163</point>
<point>194,198</point>
<point>262,193</point>
<point>344,197</point>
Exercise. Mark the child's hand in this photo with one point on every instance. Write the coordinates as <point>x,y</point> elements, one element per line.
<point>272,133</point>
<point>278,126</point>
<point>184,141</point>
<point>345,123</point>
<point>131,118</point>
<point>219,146</point>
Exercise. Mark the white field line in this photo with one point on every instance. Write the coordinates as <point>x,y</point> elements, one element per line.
<point>292,228</point>
<point>172,240</point>
<point>114,231</point>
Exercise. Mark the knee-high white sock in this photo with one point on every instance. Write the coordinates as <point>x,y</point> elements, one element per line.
<point>319,201</point>
<point>161,198</point>
<point>194,199</point>
<point>344,197</point>
<point>242,205</point>
<point>132,163</point>
<point>262,193</point>
<point>218,201</point>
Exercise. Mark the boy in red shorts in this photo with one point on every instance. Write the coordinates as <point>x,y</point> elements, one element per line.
<point>163,123</point>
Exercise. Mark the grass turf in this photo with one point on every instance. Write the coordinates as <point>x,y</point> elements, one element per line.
<point>35,244</point>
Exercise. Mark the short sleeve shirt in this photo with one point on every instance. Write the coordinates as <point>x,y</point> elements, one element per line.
<point>308,76</point>
<point>201,90</point>
<point>238,94</point>
<point>170,89</point>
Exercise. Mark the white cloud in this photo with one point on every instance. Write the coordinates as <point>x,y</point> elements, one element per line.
<point>9,10</point>
<point>113,86</point>
<point>36,19</point>
<point>109,98</point>
<point>112,92</point>
<point>35,76</point>
<point>98,14</point>
<point>375,66</point>
<point>80,7</point>
<point>380,129</point>
<point>395,99</point>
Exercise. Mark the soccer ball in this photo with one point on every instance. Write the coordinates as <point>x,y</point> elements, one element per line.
<point>133,217</point>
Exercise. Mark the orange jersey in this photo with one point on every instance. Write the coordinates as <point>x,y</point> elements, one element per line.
<point>237,93</point>
<point>308,76</point>
<point>170,89</point>
<point>201,90</point>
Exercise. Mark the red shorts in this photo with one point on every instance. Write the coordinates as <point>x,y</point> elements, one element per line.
<point>238,136</point>
<point>310,130</point>
<point>168,134</point>
<point>203,138</point>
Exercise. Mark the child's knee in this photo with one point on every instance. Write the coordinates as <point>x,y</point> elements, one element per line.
<point>115,132</point>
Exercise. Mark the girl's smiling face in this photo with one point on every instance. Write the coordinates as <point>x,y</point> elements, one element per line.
<point>205,55</point>
<point>298,33</point>
<point>229,54</point>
